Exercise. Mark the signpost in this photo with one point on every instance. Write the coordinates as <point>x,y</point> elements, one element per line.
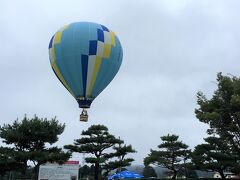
<point>67,171</point>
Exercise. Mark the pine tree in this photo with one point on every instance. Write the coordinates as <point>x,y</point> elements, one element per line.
<point>96,140</point>
<point>29,138</point>
<point>222,111</point>
<point>214,155</point>
<point>120,152</point>
<point>172,154</point>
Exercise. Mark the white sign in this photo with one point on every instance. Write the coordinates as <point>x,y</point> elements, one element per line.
<point>68,171</point>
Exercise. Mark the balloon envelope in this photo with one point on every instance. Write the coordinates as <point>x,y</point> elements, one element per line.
<point>85,57</point>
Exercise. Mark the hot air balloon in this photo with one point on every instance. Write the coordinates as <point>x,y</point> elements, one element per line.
<point>85,57</point>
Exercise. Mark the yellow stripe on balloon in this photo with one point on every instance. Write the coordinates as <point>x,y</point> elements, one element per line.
<point>95,73</point>
<point>59,75</point>
<point>112,35</point>
<point>52,55</point>
<point>107,50</point>
<point>58,35</point>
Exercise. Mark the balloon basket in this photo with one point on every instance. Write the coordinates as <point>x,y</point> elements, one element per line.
<point>84,116</point>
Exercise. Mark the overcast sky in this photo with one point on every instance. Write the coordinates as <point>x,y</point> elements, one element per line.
<point>171,50</point>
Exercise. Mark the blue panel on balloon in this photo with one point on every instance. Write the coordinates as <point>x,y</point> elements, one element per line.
<point>84,72</point>
<point>100,35</point>
<point>105,28</point>
<point>93,48</point>
<point>50,44</point>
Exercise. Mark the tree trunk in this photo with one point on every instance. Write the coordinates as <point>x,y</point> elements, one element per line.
<point>222,175</point>
<point>174,174</point>
<point>36,170</point>
<point>24,172</point>
<point>106,174</point>
<point>96,173</point>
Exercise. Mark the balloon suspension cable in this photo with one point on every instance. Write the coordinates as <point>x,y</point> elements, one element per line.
<point>84,115</point>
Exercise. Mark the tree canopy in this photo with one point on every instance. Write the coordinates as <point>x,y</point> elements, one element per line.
<point>172,154</point>
<point>7,161</point>
<point>97,141</point>
<point>30,138</point>
<point>31,134</point>
<point>222,110</point>
<point>120,152</point>
<point>222,113</point>
<point>214,155</point>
